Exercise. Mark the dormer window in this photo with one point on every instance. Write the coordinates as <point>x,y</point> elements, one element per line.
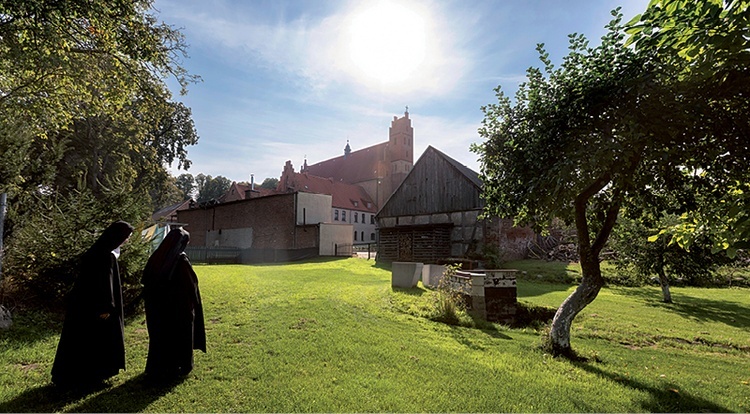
<point>356,203</point>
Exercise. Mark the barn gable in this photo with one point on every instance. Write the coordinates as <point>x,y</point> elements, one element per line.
<point>434,217</point>
<point>436,184</point>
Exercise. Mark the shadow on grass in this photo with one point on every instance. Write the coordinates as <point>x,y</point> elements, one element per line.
<point>697,309</point>
<point>133,395</point>
<point>30,326</point>
<point>415,291</point>
<point>666,399</point>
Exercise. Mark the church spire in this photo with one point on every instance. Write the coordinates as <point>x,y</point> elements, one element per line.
<point>347,149</point>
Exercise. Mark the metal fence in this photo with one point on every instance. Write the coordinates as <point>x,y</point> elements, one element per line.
<point>199,254</point>
<point>216,255</point>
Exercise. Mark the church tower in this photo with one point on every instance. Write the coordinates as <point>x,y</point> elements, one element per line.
<point>400,152</point>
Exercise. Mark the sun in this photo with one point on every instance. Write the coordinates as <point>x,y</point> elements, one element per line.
<point>387,42</point>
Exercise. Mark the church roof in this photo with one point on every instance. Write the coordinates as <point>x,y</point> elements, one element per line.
<point>358,166</point>
<point>343,195</point>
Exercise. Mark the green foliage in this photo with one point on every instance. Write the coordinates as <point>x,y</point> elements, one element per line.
<point>448,305</point>
<point>88,125</point>
<point>42,257</point>
<point>211,188</point>
<point>270,183</point>
<point>186,184</point>
<point>705,42</point>
<point>617,126</point>
<point>651,257</point>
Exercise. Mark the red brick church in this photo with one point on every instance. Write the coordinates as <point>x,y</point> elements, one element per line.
<point>378,169</point>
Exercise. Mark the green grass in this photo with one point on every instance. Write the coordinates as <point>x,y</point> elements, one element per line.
<point>333,336</point>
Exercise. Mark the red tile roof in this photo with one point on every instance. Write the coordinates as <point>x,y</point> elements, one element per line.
<point>345,196</point>
<point>238,191</point>
<point>358,166</point>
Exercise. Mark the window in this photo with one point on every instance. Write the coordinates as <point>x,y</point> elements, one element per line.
<point>335,215</point>
<point>363,218</point>
<point>362,236</point>
<point>355,236</point>
<point>372,219</point>
<point>372,236</point>
<point>343,215</point>
<point>355,217</point>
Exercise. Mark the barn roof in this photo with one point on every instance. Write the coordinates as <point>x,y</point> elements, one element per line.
<point>436,184</point>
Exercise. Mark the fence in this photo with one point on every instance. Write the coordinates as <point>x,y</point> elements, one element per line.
<point>216,255</point>
<point>199,254</point>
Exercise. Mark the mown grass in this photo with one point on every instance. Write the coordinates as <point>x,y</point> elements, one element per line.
<point>333,336</point>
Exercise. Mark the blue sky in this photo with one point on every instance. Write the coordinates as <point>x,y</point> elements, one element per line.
<point>285,80</point>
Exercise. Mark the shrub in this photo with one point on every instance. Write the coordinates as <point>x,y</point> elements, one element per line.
<point>448,304</point>
<point>44,249</point>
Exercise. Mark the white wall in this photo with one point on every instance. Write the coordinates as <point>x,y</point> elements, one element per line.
<point>313,208</point>
<point>332,234</point>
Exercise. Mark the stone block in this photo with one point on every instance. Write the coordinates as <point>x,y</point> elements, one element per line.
<point>440,218</point>
<point>421,220</point>
<point>387,222</point>
<point>432,274</point>
<point>456,218</point>
<point>457,249</point>
<point>405,274</point>
<point>406,220</point>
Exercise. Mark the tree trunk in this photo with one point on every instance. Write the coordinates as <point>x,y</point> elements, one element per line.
<point>585,293</point>
<point>591,281</point>
<point>664,282</point>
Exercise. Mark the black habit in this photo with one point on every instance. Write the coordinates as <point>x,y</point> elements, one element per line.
<point>92,343</point>
<point>174,312</point>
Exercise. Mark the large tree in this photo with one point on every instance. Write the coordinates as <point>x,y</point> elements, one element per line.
<point>707,41</point>
<point>86,119</point>
<point>612,127</point>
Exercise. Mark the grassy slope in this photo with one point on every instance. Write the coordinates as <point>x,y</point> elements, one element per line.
<point>332,336</point>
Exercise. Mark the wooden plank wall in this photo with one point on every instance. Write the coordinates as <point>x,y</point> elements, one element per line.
<point>424,244</point>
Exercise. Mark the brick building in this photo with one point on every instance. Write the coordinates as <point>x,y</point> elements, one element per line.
<point>378,169</point>
<point>288,222</point>
<point>350,203</point>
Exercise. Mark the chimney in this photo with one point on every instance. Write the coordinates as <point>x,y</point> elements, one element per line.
<point>252,182</point>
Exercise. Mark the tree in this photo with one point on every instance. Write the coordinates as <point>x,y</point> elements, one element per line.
<point>186,184</point>
<point>611,128</point>
<point>270,183</point>
<point>707,41</point>
<point>210,188</point>
<point>86,117</point>
<point>638,249</point>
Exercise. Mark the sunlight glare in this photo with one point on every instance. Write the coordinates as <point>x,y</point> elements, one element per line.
<point>388,42</point>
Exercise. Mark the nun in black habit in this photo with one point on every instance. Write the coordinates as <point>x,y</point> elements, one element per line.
<point>174,312</point>
<point>92,344</point>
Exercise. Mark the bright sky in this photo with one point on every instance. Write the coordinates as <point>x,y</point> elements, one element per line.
<point>284,80</point>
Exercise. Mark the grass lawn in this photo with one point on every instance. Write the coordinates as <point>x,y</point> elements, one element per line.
<point>333,336</point>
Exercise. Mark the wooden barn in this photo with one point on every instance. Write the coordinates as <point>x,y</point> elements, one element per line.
<point>433,216</point>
